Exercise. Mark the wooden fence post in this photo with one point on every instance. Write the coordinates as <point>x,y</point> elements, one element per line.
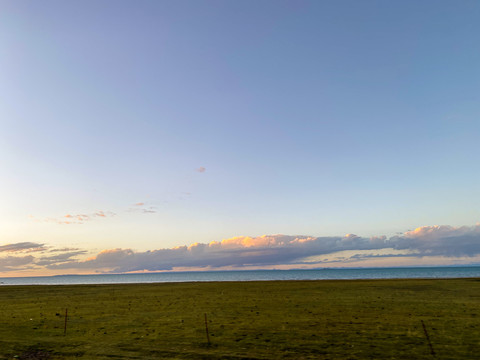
<point>65,327</point>
<point>428,339</point>
<point>206,329</point>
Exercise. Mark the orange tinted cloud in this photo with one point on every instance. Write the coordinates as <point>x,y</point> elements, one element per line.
<point>69,219</point>
<point>425,245</point>
<point>440,230</point>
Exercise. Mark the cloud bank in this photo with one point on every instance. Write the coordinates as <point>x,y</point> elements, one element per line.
<point>266,251</point>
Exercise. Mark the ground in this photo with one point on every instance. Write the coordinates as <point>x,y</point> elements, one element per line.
<point>358,319</point>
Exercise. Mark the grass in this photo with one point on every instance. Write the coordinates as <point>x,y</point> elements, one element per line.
<point>371,319</point>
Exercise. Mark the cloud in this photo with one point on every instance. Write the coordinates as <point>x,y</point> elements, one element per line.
<point>69,219</point>
<point>442,240</point>
<point>425,245</point>
<point>22,247</point>
<point>63,249</point>
<point>62,258</point>
<point>13,263</point>
<point>235,252</point>
<point>79,217</point>
<point>143,208</point>
<point>150,210</point>
<point>201,169</point>
<point>268,250</point>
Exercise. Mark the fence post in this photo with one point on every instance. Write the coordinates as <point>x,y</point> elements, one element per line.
<point>206,329</point>
<point>428,338</point>
<point>65,327</point>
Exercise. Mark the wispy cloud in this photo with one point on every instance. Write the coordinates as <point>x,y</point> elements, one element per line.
<point>65,249</point>
<point>61,258</point>
<point>142,207</point>
<point>22,247</point>
<point>201,169</point>
<point>69,219</point>
<point>150,210</point>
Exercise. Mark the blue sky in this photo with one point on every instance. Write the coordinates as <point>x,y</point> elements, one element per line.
<point>149,125</point>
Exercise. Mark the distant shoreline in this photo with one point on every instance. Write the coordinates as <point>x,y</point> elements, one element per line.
<point>457,272</point>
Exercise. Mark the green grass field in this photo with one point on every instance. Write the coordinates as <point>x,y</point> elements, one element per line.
<point>375,319</point>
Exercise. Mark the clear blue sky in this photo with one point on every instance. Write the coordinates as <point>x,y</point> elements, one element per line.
<point>235,118</point>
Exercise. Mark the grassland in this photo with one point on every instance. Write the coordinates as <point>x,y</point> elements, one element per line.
<point>375,319</point>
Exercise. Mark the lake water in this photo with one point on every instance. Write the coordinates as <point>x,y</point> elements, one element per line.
<point>247,275</point>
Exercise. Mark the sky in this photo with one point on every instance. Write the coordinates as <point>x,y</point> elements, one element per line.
<point>201,135</point>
